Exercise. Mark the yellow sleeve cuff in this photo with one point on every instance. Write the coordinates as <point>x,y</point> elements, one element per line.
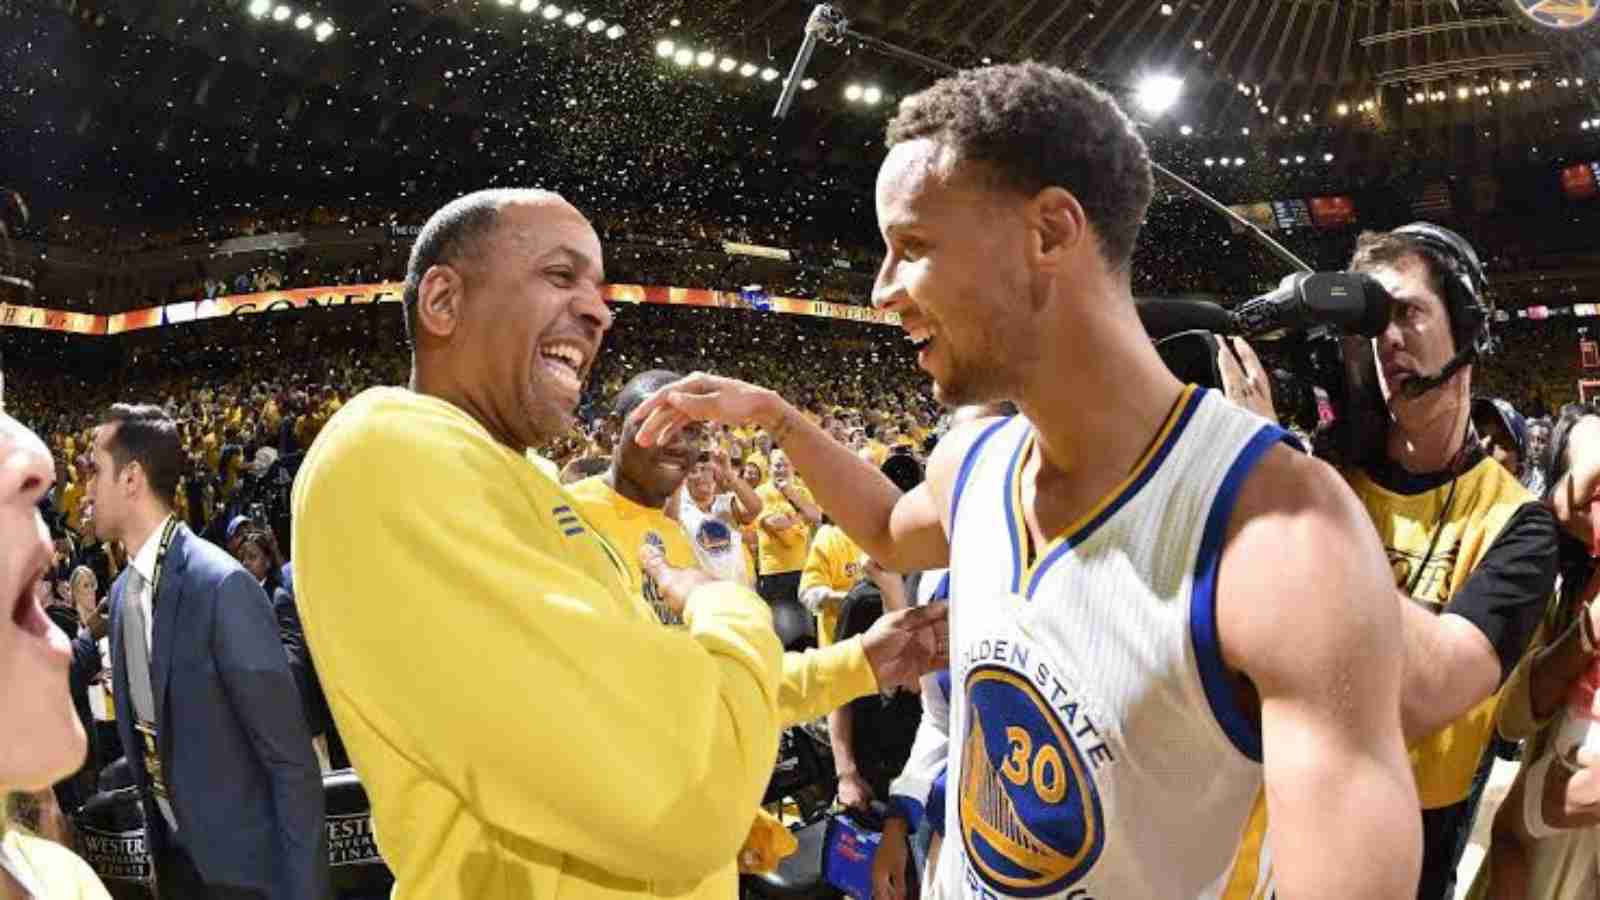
<point>818,682</point>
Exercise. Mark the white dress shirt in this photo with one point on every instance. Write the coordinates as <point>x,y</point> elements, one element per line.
<point>144,562</point>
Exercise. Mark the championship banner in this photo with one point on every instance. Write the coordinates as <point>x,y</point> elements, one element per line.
<point>734,248</point>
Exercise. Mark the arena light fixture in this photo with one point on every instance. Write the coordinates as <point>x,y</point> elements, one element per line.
<point>807,84</point>
<point>1342,109</point>
<point>324,31</point>
<point>508,2</point>
<point>1305,117</point>
<point>1159,93</point>
<point>769,74</point>
<point>684,57</point>
<point>302,21</point>
<point>871,95</point>
<point>1238,160</point>
<point>852,92</point>
<point>281,13</point>
<point>528,6</point>
<point>1283,160</point>
<point>1462,93</point>
<point>1327,157</point>
<point>1199,45</point>
<point>1185,130</point>
<point>574,19</point>
<point>728,64</point>
<point>1283,120</point>
<point>665,48</point>
<point>551,12</point>
<point>1505,86</point>
<point>705,58</point>
<point>615,31</point>
<point>260,8</point>
<point>1166,9</point>
<point>1299,159</point>
<point>1245,131</point>
<point>747,70</point>
<point>596,26</point>
<point>1210,162</point>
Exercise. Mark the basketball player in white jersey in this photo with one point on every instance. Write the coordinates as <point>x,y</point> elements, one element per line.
<point>1156,604</point>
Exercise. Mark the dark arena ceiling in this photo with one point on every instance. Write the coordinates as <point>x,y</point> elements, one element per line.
<point>147,103</point>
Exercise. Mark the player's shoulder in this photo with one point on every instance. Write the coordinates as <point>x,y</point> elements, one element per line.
<point>957,445</point>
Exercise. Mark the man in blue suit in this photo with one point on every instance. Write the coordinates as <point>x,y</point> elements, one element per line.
<point>209,715</point>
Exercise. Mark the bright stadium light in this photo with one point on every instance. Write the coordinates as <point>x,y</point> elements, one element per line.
<point>574,19</point>
<point>1283,120</point>
<point>705,58</point>
<point>664,49</point>
<point>302,21</point>
<point>727,64</point>
<point>871,95</point>
<point>1238,160</point>
<point>324,31</point>
<point>596,26</point>
<point>852,92</point>
<point>1327,157</point>
<point>769,74</point>
<point>684,57</point>
<point>1299,159</point>
<point>616,31</point>
<point>1185,130</point>
<point>551,12</point>
<point>1343,109</point>
<point>807,84</point>
<point>508,2</point>
<point>281,13</point>
<point>1245,131</point>
<point>748,69</point>
<point>1283,160</point>
<point>1210,162</point>
<point>1159,93</point>
<point>260,8</point>
<point>528,6</point>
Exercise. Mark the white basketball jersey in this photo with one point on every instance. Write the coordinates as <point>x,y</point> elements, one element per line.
<point>1097,749</point>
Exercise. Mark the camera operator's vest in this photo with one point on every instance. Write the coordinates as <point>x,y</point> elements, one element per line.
<point>1097,747</point>
<point>1459,532</point>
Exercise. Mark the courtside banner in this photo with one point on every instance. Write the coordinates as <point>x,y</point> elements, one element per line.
<point>51,319</point>
<point>187,311</point>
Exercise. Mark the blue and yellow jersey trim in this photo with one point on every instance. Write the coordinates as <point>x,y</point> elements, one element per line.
<point>1030,572</point>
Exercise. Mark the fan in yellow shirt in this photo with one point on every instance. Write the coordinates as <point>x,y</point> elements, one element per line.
<point>629,505</point>
<point>833,567</point>
<point>628,760</point>
<point>788,514</point>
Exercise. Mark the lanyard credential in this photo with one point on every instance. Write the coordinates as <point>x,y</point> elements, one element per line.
<point>161,557</point>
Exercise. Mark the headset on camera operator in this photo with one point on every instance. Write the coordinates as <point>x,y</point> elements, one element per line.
<point>1473,552</point>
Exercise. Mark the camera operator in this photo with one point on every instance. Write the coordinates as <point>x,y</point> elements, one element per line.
<point>1472,551</point>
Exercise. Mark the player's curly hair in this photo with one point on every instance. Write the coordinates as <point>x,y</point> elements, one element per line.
<point>1036,126</point>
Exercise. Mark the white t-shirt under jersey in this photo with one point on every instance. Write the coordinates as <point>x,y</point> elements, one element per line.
<point>715,536</point>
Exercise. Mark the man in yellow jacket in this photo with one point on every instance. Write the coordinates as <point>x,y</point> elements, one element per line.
<point>436,569</point>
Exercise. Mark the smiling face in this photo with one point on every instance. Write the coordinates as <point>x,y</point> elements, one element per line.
<point>46,741</point>
<point>658,470</point>
<point>954,269</point>
<point>521,321</point>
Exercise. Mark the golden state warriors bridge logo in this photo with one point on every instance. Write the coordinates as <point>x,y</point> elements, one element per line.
<point>1030,814</point>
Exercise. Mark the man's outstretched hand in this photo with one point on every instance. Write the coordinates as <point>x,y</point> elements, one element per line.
<point>703,398</point>
<point>903,646</point>
<point>676,584</point>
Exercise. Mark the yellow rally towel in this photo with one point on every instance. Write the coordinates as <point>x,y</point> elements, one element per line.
<point>769,843</point>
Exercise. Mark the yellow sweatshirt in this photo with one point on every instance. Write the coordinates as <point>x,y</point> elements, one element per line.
<point>834,563</point>
<point>523,726</point>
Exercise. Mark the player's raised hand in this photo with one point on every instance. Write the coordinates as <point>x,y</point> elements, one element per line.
<point>703,398</point>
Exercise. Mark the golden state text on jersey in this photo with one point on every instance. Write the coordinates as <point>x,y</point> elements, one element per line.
<point>1032,818</point>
